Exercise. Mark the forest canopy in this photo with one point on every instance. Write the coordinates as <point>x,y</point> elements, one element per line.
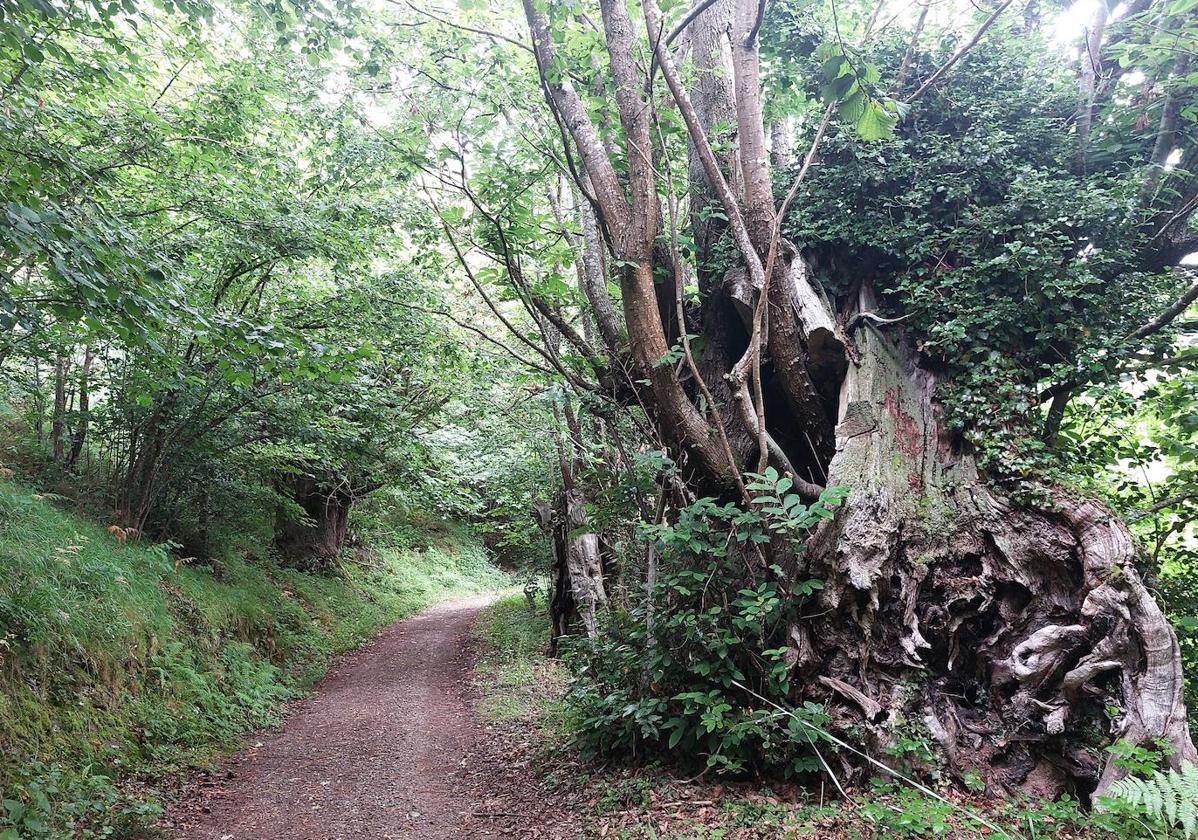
<point>828,353</point>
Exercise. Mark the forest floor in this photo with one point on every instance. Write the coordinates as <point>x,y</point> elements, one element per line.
<point>388,746</point>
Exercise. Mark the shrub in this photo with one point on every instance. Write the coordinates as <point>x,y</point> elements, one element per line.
<point>667,675</point>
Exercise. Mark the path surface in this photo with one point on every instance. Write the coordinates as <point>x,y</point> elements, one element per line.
<point>388,747</point>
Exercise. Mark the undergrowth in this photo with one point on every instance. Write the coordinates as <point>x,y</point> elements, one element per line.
<point>630,801</point>
<point>521,685</point>
<point>119,664</point>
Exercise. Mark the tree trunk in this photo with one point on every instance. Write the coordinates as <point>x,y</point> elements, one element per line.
<point>58,421</point>
<point>583,562</point>
<point>1006,626</point>
<point>80,436</point>
<point>1087,76</point>
<point>327,509</point>
<point>1167,131</point>
<point>136,497</point>
<point>578,589</point>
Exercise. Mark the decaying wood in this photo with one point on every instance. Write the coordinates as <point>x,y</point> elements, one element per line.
<point>1007,626</point>
<point>1012,618</point>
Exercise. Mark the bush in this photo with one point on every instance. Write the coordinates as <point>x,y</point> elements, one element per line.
<point>715,628</point>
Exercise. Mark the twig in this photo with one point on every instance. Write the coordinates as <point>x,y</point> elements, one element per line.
<point>880,765</point>
<point>959,54</point>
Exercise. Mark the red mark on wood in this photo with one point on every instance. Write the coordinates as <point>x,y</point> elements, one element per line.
<point>907,435</point>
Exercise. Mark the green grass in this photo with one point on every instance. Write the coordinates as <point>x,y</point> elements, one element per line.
<point>521,685</point>
<point>118,664</point>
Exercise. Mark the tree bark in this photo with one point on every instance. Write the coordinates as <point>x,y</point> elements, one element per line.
<point>80,436</point>
<point>578,571</point>
<point>327,507</point>
<point>1006,626</point>
<point>58,421</point>
<point>1087,76</point>
<point>1167,130</point>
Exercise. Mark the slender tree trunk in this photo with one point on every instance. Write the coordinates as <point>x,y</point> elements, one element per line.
<point>58,420</point>
<point>80,436</point>
<point>904,70</point>
<point>1166,135</point>
<point>39,403</point>
<point>1087,77</point>
<point>142,479</point>
<point>594,280</point>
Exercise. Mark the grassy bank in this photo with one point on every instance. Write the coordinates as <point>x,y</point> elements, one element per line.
<point>521,685</point>
<point>119,664</point>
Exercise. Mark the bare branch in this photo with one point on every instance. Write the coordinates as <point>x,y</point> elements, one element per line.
<point>699,9</point>
<point>1165,318</point>
<point>905,67</point>
<point>496,36</point>
<point>959,54</point>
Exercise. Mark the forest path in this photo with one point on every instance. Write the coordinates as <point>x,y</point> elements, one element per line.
<point>388,747</point>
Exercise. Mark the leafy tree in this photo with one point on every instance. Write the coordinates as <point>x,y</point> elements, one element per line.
<point>868,256</point>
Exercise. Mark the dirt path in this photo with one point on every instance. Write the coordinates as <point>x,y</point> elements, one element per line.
<point>387,747</point>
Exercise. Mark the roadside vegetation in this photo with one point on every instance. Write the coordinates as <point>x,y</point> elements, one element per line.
<point>121,663</point>
<point>636,799</point>
<point>824,369</point>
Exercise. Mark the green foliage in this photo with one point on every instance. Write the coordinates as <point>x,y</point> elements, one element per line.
<point>208,244</point>
<point>118,661</point>
<point>1010,271</point>
<point>853,86</point>
<point>1169,797</point>
<point>1136,758</point>
<point>660,677</point>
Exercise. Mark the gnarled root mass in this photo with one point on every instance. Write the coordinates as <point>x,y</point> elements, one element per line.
<point>1011,631</point>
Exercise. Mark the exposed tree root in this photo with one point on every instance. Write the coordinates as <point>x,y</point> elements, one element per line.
<point>1010,629</point>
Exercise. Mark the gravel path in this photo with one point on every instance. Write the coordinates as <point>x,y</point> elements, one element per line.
<point>387,747</point>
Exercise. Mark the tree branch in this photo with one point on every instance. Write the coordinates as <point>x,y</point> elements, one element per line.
<point>959,54</point>
<point>609,195</point>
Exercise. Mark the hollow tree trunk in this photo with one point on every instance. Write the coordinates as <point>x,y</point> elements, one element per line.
<point>1007,626</point>
<point>583,562</point>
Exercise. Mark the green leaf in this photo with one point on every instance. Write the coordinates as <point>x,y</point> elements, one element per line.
<point>876,123</point>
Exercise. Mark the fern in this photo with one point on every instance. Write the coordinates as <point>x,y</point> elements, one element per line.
<point>1170,797</point>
